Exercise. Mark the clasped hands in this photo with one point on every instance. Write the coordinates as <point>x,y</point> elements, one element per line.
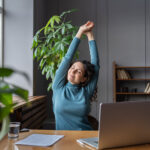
<point>86,29</point>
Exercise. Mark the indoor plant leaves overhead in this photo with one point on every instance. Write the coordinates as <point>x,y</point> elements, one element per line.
<point>51,43</point>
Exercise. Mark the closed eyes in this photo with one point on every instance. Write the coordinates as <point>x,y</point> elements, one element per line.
<point>78,70</point>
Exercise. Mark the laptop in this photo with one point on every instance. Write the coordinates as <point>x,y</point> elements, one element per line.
<point>121,124</point>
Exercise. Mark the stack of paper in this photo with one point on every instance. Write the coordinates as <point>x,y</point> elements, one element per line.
<point>40,140</point>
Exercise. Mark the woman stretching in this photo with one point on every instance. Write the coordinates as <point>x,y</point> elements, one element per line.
<point>74,86</point>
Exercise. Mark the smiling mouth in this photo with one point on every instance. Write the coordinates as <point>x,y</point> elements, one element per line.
<point>71,76</point>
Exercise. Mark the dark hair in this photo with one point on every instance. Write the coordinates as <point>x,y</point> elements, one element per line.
<point>88,73</point>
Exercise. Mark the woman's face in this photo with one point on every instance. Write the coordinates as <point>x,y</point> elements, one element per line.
<point>76,73</point>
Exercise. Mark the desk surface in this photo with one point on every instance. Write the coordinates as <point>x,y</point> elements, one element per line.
<point>67,143</point>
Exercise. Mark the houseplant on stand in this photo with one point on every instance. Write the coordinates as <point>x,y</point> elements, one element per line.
<point>6,97</point>
<point>51,43</point>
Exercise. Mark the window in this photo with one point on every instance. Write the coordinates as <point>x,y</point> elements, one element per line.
<point>1,33</point>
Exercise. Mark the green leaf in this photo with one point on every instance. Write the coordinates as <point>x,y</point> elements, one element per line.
<point>6,72</point>
<point>38,32</point>
<point>48,75</point>
<point>6,98</point>
<point>35,38</point>
<point>4,111</point>
<point>43,50</point>
<point>46,30</point>
<point>48,23</point>
<point>34,44</point>
<point>42,62</point>
<point>63,30</point>
<point>57,45</point>
<point>15,90</point>
<point>68,12</point>
<point>68,38</point>
<point>69,26</point>
<point>59,37</point>
<point>76,54</point>
<point>22,93</point>
<point>49,86</point>
<point>49,38</point>
<point>65,41</point>
<point>35,53</point>
<point>52,75</point>
<point>56,32</point>
<point>52,21</point>
<point>57,19</point>
<point>43,71</point>
<point>62,46</point>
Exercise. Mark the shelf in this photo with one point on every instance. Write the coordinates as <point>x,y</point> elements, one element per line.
<point>131,93</point>
<point>131,77</point>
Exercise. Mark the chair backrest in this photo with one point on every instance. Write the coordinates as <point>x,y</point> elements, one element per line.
<point>93,122</point>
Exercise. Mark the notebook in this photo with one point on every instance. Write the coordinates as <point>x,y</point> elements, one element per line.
<point>121,124</point>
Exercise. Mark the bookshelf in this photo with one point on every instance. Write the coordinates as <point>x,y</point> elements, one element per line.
<point>130,81</point>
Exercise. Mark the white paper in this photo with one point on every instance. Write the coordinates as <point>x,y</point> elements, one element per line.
<point>40,140</point>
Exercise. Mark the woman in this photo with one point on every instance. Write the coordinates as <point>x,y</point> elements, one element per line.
<point>71,99</point>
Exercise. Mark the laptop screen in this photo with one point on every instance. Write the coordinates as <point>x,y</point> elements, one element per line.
<point>124,123</point>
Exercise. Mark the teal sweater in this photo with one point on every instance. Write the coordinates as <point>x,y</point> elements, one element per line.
<point>71,103</point>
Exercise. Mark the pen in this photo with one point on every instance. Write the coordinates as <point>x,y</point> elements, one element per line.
<point>24,130</point>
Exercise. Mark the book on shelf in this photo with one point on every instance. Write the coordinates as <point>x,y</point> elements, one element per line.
<point>118,74</point>
<point>128,75</point>
<point>123,74</point>
<point>147,89</point>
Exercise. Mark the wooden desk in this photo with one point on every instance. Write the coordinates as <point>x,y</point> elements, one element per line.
<point>66,143</point>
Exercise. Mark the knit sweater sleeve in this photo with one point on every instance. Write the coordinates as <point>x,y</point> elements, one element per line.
<point>95,61</point>
<point>61,73</point>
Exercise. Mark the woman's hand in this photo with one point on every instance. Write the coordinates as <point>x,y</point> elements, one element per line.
<point>89,35</point>
<point>85,28</point>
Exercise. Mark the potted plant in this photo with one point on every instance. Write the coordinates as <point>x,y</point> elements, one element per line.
<point>6,97</point>
<point>51,42</point>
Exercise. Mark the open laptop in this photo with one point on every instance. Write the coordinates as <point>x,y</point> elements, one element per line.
<point>122,124</point>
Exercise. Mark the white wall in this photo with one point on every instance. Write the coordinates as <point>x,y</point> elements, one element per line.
<point>18,33</point>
